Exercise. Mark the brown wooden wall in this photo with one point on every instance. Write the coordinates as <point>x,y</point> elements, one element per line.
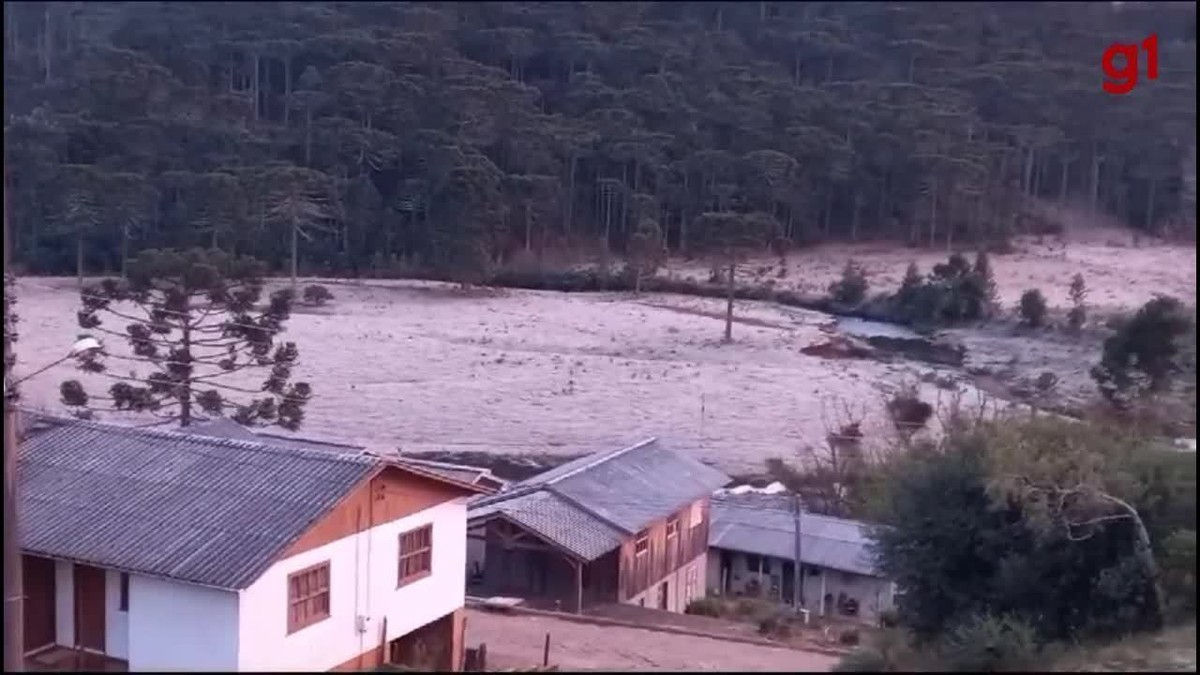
<point>638,572</point>
<point>390,495</point>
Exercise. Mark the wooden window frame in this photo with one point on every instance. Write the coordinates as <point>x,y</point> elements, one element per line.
<point>308,601</point>
<point>672,527</point>
<point>422,554</point>
<point>123,598</point>
<point>641,543</point>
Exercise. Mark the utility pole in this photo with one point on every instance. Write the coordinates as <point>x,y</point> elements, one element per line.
<point>14,591</point>
<point>797,568</point>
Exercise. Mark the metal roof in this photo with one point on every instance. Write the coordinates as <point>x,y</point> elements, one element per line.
<point>226,428</point>
<point>197,509</point>
<point>599,499</point>
<point>765,525</point>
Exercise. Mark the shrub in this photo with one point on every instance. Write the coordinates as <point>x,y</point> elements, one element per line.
<point>954,291</point>
<point>989,644</point>
<point>1077,317</point>
<point>908,412</point>
<point>704,607</point>
<point>774,625</point>
<point>1179,571</point>
<point>852,288</point>
<point>316,295</point>
<point>848,637</point>
<point>862,660</point>
<point>987,280</point>
<point>1032,308</point>
<point>1145,348</point>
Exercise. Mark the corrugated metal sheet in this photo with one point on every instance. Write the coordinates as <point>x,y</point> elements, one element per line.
<point>602,498</point>
<point>226,428</point>
<point>764,525</point>
<point>192,508</point>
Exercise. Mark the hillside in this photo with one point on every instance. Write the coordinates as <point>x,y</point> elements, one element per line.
<point>394,136</point>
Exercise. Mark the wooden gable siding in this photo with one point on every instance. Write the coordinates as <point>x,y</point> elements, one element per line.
<point>637,573</point>
<point>389,495</point>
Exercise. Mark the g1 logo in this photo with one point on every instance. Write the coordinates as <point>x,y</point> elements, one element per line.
<point>1123,79</point>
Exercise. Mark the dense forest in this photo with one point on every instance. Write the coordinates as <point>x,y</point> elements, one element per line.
<point>371,135</point>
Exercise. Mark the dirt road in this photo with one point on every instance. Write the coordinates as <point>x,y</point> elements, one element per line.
<point>515,641</point>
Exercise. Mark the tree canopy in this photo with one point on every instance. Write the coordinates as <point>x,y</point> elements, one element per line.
<point>457,134</point>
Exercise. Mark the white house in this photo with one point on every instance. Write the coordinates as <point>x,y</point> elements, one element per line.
<point>752,551</point>
<point>147,549</point>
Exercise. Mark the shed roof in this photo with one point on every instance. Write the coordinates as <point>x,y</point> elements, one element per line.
<point>590,504</point>
<point>187,507</point>
<point>765,525</point>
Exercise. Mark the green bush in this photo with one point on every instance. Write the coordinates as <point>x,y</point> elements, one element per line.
<point>774,624</point>
<point>862,660</point>
<point>954,291</point>
<point>316,295</point>
<point>1179,572</point>
<point>704,607</point>
<point>1146,351</point>
<point>989,644</point>
<point>852,288</point>
<point>1032,308</point>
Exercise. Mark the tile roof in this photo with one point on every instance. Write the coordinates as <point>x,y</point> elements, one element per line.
<point>765,525</point>
<point>590,504</point>
<point>188,507</point>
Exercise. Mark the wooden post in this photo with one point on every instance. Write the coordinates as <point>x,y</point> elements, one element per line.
<point>14,588</point>
<point>546,652</point>
<point>579,588</point>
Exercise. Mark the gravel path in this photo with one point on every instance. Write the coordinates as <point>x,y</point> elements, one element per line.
<point>515,641</point>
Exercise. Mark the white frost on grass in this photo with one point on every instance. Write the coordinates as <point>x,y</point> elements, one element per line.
<point>421,367</point>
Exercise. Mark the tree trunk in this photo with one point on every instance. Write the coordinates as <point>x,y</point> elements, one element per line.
<point>256,81</point>
<point>287,90</point>
<point>933,215</point>
<point>729,300</point>
<point>1150,205</point>
<point>1143,551</point>
<point>185,401</point>
<point>295,252</point>
<point>47,42</point>
<point>1066,177</point>
<point>570,196</point>
<point>79,259</point>
<point>528,228</point>
<point>124,249</point>
<point>308,135</point>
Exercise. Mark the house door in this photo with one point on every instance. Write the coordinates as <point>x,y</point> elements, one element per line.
<point>89,608</point>
<point>38,579</point>
<point>663,594</point>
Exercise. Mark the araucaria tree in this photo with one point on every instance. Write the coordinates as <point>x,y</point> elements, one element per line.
<point>195,319</point>
<point>730,236</point>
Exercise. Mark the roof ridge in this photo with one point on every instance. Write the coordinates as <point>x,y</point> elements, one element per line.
<point>600,460</point>
<point>156,431</point>
<point>446,465</point>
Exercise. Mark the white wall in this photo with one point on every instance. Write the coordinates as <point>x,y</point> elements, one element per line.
<point>116,622</point>
<point>363,573</point>
<point>64,602</point>
<point>175,626</point>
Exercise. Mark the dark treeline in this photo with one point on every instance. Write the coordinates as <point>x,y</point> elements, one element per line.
<point>372,135</point>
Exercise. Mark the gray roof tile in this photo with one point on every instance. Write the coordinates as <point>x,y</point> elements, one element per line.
<point>587,506</point>
<point>193,508</point>
<point>764,525</point>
